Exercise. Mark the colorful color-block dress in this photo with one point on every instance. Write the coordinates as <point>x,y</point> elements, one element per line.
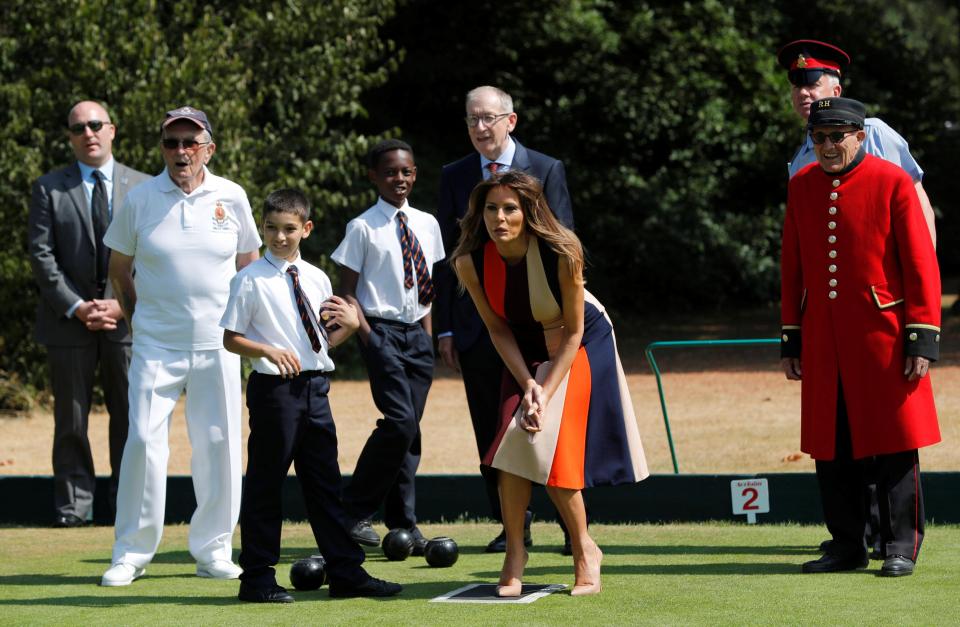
<point>589,434</point>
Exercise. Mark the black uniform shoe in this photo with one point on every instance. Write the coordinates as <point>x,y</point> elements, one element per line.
<point>372,587</point>
<point>825,546</point>
<point>363,533</point>
<point>835,564</point>
<point>499,544</point>
<point>275,594</point>
<point>419,542</point>
<point>896,566</point>
<point>68,520</point>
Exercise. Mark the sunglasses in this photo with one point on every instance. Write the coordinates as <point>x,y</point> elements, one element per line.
<point>80,127</point>
<point>835,136</point>
<point>187,144</point>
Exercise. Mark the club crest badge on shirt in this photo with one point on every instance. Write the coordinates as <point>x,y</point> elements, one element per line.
<point>220,222</point>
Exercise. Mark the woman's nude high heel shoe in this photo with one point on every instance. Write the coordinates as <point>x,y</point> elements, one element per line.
<point>513,589</point>
<point>590,588</point>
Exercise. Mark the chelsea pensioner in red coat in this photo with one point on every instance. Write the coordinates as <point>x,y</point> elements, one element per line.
<point>860,296</point>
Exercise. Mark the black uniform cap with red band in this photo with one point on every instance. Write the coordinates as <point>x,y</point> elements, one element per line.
<point>806,60</point>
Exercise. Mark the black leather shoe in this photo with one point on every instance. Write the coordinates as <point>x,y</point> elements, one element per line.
<point>419,543</point>
<point>276,594</point>
<point>372,587</point>
<point>896,566</point>
<point>825,546</point>
<point>835,564</point>
<point>68,520</point>
<point>363,533</point>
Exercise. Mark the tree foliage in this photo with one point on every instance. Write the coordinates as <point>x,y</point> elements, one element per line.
<point>281,82</point>
<point>673,119</point>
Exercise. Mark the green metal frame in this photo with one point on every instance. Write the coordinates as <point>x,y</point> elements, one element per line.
<point>690,344</point>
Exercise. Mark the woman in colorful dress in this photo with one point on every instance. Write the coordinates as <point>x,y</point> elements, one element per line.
<point>566,419</point>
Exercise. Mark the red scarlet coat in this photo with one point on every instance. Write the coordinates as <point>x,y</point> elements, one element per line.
<point>860,287</point>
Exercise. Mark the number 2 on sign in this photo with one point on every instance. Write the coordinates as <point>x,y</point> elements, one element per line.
<point>749,503</point>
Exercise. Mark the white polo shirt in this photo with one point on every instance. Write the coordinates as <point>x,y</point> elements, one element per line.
<point>262,307</point>
<point>371,247</point>
<point>184,248</point>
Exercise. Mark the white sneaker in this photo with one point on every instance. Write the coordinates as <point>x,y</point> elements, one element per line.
<point>121,574</point>
<point>219,569</point>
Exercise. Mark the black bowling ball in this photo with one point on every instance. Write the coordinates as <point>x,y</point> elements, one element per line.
<point>397,545</point>
<point>309,573</point>
<point>441,552</point>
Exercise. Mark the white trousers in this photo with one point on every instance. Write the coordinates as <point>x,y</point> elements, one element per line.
<point>157,377</point>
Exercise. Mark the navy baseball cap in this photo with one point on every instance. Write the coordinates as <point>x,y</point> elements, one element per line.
<point>196,116</point>
<point>836,112</point>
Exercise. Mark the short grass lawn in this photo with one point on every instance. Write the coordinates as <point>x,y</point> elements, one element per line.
<point>678,574</point>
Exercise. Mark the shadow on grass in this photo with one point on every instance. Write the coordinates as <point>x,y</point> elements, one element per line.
<point>714,568</point>
<point>65,580</point>
<point>90,600</point>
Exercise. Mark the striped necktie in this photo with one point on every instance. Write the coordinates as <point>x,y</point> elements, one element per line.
<point>493,166</point>
<point>413,259</point>
<point>303,307</point>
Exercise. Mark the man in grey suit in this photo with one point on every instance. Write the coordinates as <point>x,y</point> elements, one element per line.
<point>78,320</point>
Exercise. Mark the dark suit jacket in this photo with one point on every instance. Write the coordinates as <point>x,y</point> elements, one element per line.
<point>453,311</point>
<point>63,253</point>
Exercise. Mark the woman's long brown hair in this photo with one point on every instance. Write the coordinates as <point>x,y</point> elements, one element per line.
<point>537,216</point>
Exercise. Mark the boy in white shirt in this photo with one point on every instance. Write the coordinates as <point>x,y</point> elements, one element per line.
<point>386,259</point>
<point>270,318</point>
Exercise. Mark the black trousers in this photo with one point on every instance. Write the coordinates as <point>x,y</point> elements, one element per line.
<point>72,371</point>
<point>482,371</point>
<point>399,360</point>
<point>290,422</point>
<point>844,495</point>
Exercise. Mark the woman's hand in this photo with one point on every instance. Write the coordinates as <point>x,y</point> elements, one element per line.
<point>534,402</point>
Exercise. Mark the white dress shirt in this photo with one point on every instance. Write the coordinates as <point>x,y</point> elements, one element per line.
<point>371,248</point>
<point>263,309</point>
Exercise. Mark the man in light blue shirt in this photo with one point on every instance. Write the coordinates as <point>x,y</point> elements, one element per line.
<point>814,69</point>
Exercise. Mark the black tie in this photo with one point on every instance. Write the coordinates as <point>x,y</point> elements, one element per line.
<point>101,220</point>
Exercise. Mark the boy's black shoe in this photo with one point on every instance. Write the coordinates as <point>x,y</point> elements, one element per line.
<point>363,533</point>
<point>896,566</point>
<point>419,542</point>
<point>275,594</point>
<point>835,563</point>
<point>372,587</point>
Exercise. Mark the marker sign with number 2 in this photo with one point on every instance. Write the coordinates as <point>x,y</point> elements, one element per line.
<point>750,497</point>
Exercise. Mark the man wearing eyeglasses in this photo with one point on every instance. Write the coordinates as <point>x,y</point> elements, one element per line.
<point>78,318</point>
<point>188,231</point>
<point>464,344</point>
<point>814,69</point>
<point>861,324</point>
